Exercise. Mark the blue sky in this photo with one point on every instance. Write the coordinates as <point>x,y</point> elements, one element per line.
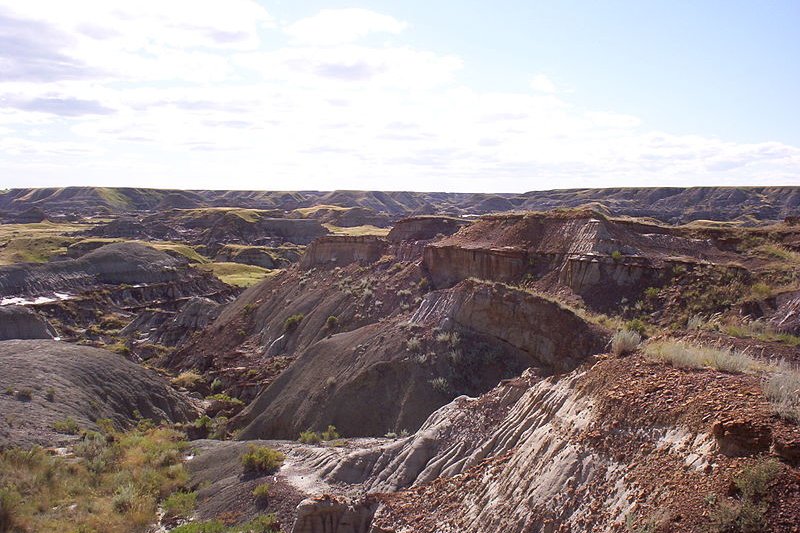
<point>459,96</point>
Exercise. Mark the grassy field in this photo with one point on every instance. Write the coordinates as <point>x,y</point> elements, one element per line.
<point>238,274</point>
<point>358,230</point>
<point>36,243</point>
<point>307,211</point>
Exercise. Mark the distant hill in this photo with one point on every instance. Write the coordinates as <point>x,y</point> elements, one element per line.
<point>746,205</point>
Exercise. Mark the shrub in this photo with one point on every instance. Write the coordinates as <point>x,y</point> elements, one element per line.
<point>682,355</point>
<point>225,399</point>
<point>216,384</point>
<point>180,504</point>
<point>124,498</point>
<point>262,459</point>
<point>636,325</point>
<point>423,284</point>
<point>625,341</point>
<point>24,395</point>
<point>187,380</point>
<point>332,323</point>
<point>68,426</point>
<point>330,433</point>
<point>760,291</point>
<point>747,514</point>
<point>50,395</point>
<point>261,493</point>
<point>782,389</point>
<point>616,255</point>
<point>9,509</point>
<point>292,322</point>
<point>310,437</point>
<point>651,293</point>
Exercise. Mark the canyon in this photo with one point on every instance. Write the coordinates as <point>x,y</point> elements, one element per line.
<point>559,361</point>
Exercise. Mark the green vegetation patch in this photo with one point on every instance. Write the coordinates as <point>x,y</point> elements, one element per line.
<point>114,482</point>
<point>356,231</point>
<point>238,274</point>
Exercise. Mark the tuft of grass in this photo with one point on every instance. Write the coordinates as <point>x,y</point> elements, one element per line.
<point>440,385</point>
<point>625,341</point>
<point>782,389</point>
<point>309,437</point>
<point>683,355</point>
<point>414,345</point>
<point>262,459</point>
<point>260,524</point>
<point>187,380</point>
<point>747,513</point>
<point>332,323</point>
<point>24,395</point>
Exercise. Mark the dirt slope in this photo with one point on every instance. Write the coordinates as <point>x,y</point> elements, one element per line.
<point>46,382</point>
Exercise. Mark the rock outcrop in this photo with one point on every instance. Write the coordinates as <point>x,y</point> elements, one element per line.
<point>113,264</point>
<point>342,250</point>
<point>424,228</point>
<point>18,322</point>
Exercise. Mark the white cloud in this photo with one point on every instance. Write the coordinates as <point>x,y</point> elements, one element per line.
<point>337,26</point>
<point>542,84</point>
<point>137,95</point>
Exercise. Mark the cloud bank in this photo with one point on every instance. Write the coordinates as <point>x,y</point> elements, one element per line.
<point>202,94</point>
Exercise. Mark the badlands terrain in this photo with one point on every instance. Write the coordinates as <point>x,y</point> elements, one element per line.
<point>595,360</point>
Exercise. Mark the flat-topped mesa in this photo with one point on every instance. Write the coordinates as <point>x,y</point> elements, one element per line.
<point>423,228</point>
<point>342,250</point>
<point>596,257</point>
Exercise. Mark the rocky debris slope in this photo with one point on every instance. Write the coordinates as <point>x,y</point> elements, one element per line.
<point>47,382</point>
<point>18,322</point>
<point>491,332</point>
<point>619,443</point>
<point>172,328</point>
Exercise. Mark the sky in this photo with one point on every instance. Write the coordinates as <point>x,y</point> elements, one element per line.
<point>436,95</point>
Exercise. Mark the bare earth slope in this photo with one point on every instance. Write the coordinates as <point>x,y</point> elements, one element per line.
<point>48,381</point>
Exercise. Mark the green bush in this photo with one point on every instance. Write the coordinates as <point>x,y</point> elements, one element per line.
<point>636,325</point>
<point>261,493</point>
<point>262,459</point>
<point>68,426</point>
<point>9,509</point>
<point>180,504</point>
<point>292,322</point>
<point>309,437</point>
<point>330,433</point>
<point>332,323</point>
<point>616,255</point>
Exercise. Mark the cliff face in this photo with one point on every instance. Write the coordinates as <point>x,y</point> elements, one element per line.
<point>601,260</point>
<point>343,250</point>
<point>17,322</point>
<point>424,228</point>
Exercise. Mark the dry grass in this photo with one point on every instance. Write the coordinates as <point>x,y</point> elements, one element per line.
<point>782,388</point>
<point>238,274</point>
<point>358,230</point>
<point>625,341</point>
<point>112,484</point>
<point>684,355</point>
